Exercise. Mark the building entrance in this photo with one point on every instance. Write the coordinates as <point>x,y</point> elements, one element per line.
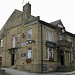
<point>61,57</point>
<point>12,59</point>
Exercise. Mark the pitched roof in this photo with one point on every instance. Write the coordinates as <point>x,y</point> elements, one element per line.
<point>47,24</point>
<point>55,25</point>
<point>70,34</point>
<point>9,23</point>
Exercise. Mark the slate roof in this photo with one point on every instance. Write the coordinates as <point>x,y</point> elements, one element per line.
<point>54,25</point>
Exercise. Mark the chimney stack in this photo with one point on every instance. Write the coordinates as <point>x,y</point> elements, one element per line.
<point>26,11</point>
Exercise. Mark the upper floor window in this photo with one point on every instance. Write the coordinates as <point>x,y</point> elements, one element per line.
<point>60,37</point>
<point>29,35</point>
<point>49,36</point>
<point>29,53</point>
<point>13,41</point>
<point>69,38</point>
<point>1,43</point>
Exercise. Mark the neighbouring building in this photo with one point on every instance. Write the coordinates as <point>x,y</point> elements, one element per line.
<point>30,44</point>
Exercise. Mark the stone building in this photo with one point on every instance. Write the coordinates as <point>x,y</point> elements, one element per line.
<point>30,44</point>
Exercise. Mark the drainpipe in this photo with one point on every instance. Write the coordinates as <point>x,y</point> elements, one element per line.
<point>5,47</point>
<point>41,51</point>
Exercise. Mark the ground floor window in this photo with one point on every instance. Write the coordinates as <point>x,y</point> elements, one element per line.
<point>29,53</point>
<point>49,53</point>
<point>68,56</point>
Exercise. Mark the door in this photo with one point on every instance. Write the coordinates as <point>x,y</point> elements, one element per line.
<point>62,57</point>
<point>12,59</point>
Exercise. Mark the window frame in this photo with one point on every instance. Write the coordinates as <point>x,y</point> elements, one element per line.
<point>13,41</point>
<point>29,53</point>
<point>49,36</point>
<point>48,52</point>
<point>69,56</point>
<point>1,45</point>
<point>69,38</point>
<point>29,32</point>
<point>60,36</point>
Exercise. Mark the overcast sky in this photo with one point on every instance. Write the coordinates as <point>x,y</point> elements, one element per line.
<point>48,10</point>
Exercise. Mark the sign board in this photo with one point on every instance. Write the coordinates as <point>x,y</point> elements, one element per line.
<point>50,44</point>
<point>23,44</point>
<point>23,55</point>
<point>27,42</point>
<point>44,66</point>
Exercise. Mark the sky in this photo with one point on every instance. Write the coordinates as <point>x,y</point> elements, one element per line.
<point>48,10</point>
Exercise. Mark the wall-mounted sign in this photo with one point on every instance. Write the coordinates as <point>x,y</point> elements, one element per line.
<point>44,66</point>
<point>23,35</point>
<point>24,44</point>
<point>51,44</point>
<point>27,42</point>
<point>23,55</point>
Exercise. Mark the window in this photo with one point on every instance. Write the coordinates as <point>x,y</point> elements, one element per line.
<point>60,36</point>
<point>1,42</point>
<point>29,53</point>
<point>68,56</point>
<point>49,54</point>
<point>29,36</point>
<point>68,38</point>
<point>49,36</point>
<point>13,41</point>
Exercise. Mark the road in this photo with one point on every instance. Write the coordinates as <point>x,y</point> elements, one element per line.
<point>17,72</point>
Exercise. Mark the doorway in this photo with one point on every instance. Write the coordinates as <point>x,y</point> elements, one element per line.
<point>12,59</point>
<point>62,57</point>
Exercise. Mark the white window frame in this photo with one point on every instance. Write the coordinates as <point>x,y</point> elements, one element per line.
<point>49,36</point>
<point>29,35</point>
<point>29,53</point>
<point>13,41</point>
<point>49,54</point>
<point>1,42</point>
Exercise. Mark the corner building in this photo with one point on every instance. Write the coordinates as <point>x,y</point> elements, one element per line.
<point>34,45</point>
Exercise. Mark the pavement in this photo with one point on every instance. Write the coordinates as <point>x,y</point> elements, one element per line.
<point>11,71</point>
